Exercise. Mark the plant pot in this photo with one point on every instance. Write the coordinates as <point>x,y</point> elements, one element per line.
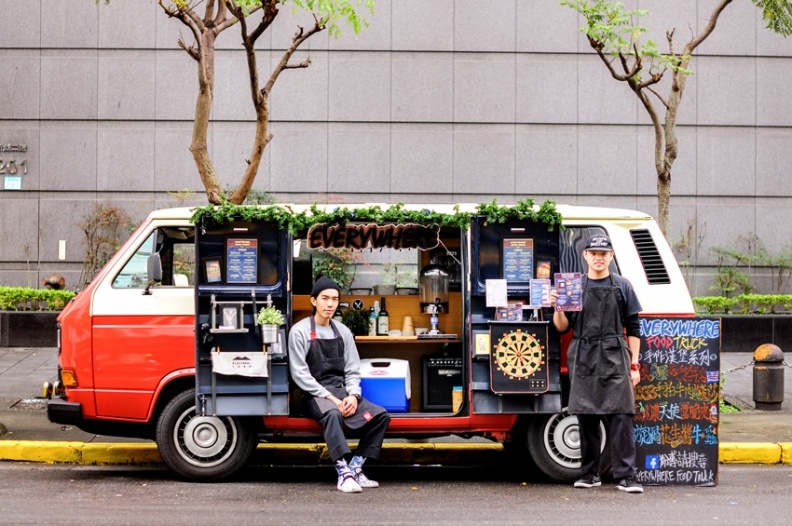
<point>269,334</point>
<point>384,290</point>
<point>360,291</point>
<point>407,291</point>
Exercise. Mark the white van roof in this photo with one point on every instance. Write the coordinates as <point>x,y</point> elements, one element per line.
<point>568,212</point>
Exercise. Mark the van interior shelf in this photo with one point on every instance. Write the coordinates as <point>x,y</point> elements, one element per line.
<point>444,338</point>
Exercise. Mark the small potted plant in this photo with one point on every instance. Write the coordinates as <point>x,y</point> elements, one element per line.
<point>357,321</point>
<point>389,277</point>
<point>270,318</point>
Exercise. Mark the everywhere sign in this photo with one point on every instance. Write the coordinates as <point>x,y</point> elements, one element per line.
<point>360,236</point>
<point>677,402</point>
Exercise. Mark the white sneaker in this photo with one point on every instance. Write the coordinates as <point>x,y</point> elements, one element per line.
<point>363,481</point>
<point>348,484</point>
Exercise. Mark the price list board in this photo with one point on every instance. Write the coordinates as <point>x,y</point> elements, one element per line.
<point>677,400</point>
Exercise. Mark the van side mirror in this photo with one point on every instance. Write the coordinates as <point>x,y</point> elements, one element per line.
<point>153,271</point>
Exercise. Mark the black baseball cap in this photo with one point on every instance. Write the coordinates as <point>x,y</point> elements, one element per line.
<point>599,242</point>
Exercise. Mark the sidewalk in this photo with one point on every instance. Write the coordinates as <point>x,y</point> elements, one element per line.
<point>750,436</point>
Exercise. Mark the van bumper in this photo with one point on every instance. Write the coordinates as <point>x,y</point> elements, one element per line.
<point>60,411</point>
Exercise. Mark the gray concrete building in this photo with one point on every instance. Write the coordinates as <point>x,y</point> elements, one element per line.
<point>442,100</point>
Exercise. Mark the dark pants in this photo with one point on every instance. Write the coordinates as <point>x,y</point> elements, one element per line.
<point>622,444</point>
<point>371,435</point>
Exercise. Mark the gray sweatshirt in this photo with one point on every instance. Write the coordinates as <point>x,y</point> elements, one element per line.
<point>300,341</point>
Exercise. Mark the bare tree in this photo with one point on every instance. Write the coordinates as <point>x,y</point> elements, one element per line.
<point>614,34</point>
<point>219,15</point>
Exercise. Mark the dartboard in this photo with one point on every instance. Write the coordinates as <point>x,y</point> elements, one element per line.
<point>519,354</point>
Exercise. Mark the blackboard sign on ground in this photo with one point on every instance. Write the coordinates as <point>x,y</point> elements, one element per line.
<point>677,400</point>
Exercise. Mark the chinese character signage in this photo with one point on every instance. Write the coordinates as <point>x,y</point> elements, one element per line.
<point>677,400</point>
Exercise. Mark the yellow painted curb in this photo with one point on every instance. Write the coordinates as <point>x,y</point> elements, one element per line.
<point>98,453</point>
<point>402,452</point>
<point>749,453</point>
<point>49,452</point>
<point>786,452</point>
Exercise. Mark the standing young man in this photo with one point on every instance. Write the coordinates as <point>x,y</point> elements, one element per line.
<point>325,365</point>
<point>603,366</point>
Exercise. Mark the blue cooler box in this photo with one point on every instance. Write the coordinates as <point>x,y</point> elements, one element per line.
<point>386,382</point>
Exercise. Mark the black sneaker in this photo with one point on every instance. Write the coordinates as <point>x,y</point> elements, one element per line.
<point>588,481</point>
<point>630,486</point>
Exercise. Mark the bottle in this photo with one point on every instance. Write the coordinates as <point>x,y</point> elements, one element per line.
<point>456,398</point>
<point>372,322</point>
<point>382,320</point>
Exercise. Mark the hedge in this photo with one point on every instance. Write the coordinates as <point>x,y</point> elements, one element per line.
<point>745,304</point>
<point>26,299</point>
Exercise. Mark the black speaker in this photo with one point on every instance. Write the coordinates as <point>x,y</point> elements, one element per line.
<point>440,375</point>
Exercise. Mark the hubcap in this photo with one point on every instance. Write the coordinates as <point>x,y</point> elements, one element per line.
<point>562,440</point>
<point>205,441</point>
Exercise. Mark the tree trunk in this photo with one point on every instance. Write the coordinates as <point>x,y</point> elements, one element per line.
<point>203,111</point>
<point>260,142</point>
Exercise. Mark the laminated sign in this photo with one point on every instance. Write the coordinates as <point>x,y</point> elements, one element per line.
<point>240,364</point>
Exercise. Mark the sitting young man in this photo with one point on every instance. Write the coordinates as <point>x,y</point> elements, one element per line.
<point>325,365</point>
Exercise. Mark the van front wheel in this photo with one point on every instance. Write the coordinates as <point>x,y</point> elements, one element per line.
<point>205,448</point>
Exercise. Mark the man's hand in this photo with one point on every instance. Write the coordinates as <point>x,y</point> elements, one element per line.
<point>635,376</point>
<point>348,406</point>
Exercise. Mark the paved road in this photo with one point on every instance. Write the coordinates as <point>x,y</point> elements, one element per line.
<point>116,495</point>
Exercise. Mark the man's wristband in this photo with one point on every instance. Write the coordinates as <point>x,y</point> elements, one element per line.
<point>635,367</point>
<point>357,397</point>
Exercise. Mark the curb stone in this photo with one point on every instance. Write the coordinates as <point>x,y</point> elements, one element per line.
<point>285,454</point>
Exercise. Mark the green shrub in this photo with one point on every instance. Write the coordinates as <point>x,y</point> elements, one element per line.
<point>21,298</point>
<point>744,304</point>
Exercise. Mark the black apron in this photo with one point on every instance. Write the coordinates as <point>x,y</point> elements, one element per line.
<point>325,360</point>
<point>598,357</point>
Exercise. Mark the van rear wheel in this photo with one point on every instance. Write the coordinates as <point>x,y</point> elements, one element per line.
<point>554,445</point>
<point>202,448</point>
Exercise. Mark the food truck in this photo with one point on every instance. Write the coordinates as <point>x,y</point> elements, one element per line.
<point>165,342</point>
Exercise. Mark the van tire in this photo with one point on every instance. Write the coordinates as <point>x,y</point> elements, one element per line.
<point>202,448</point>
<point>554,444</point>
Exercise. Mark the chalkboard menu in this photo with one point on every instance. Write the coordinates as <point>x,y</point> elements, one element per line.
<point>518,260</point>
<point>676,414</point>
<point>241,260</point>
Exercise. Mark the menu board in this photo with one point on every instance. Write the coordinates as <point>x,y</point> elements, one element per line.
<point>241,260</point>
<point>518,260</point>
<point>677,401</point>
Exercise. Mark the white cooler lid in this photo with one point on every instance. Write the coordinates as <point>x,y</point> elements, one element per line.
<point>387,368</point>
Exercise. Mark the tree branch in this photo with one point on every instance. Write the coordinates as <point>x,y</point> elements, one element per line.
<point>298,39</point>
<point>693,44</point>
<point>270,12</point>
<point>221,24</point>
<point>190,50</point>
<point>663,101</point>
<point>208,13</point>
<point>195,25</point>
<point>598,46</point>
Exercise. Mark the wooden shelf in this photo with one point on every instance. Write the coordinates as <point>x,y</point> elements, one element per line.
<point>398,308</point>
<point>403,339</point>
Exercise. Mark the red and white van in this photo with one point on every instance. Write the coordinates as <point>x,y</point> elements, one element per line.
<point>135,355</point>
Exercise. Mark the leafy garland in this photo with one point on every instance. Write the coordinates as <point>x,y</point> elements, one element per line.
<point>298,223</point>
